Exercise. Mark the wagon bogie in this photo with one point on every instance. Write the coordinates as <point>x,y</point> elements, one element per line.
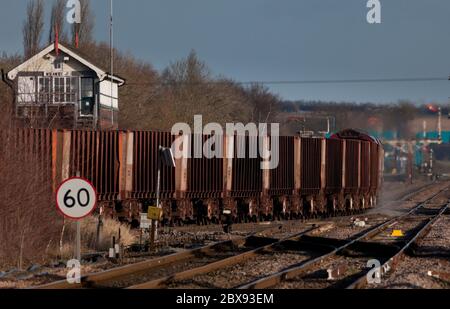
<point>231,204</point>
<point>282,207</point>
<point>296,207</point>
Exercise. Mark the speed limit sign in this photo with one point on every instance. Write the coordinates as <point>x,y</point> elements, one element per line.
<point>76,198</point>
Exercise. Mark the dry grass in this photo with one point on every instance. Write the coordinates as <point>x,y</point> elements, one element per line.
<point>89,226</point>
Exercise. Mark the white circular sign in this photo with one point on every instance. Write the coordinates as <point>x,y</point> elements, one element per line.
<point>76,198</point>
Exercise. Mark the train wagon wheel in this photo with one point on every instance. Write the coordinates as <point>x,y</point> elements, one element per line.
<point>266,207</point>
<point>296,211</point>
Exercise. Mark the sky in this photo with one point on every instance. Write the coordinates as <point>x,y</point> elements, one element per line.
<point>283,40</point>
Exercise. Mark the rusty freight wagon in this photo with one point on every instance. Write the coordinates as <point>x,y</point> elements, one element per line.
<point>314,176</point>
<point>363,157</point>
<point>201,178</point>
<point>280,182</point>
<point>98,156</point>
<point>335,171</point>
<point>143,166</point>
<point>243,177</point>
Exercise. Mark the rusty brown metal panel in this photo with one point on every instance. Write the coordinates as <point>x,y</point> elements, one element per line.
<point>334,165</point>
<point>65,164</point>
<point>205,178</point>
<point>380,167</point>
<point>117,163</point>
<point>365,166</point>
<point>352,162</point>
<point>266,173</point>
<point>344,163</point>
<point>297,163</point>
<point>95,155</point>
<point>149,169</point>
<point>93,152</point>
<point>247,173</point>
<point>99,153</point>
<point>48,155</point>
<point>323,176</point>
<point>374,157</point>
<point>282,178</point>
<point>359,163</point>
<point>110,150</point>
<point>83,153</point>
<point>107,175</point>
<point>311,165</point>
<point>137,165</point>
<point>56,151</point>
<point>89,153</point>
<point>145,164</point>
<point>144,172</point>
<point>122,156</point>
<point>103,162</point>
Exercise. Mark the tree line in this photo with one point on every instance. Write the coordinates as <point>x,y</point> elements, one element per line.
<point>156,100</point>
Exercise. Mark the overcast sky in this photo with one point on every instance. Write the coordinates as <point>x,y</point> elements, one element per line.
<point>279,40</point>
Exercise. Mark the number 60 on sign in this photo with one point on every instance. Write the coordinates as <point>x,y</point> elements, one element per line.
<point>76,198</point>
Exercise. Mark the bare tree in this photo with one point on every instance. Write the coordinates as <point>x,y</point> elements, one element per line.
<point>85,29</point>
<point>33,27</point>
<point>57,21</point>
<point>28,222</point>
<point>191,90</point>
<point>265,105</point>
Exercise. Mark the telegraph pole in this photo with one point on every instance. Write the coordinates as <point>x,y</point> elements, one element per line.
<point>111,43</point>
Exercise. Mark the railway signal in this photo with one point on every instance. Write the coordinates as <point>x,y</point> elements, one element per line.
<point>76,198</point>
<point>165,158</point>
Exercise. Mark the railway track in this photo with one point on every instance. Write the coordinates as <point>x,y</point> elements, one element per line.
<point>237,263</point>
<point>124,276</point>
<point>233,271</point>
<point>346,265</point>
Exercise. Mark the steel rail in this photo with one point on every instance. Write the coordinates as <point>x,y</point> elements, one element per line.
<point>164,282</point>
<point>303,267</point>
<point>144,266</point>
<point>154,263</point>
<point>391,264</point>
<point>187,274</point>
<point>408,196</point>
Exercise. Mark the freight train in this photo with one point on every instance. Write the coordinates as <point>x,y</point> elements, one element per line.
<point>315,176</point>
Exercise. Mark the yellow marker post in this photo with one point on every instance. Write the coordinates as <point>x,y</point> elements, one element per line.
<point>155,215</point>
<point>397,233</point>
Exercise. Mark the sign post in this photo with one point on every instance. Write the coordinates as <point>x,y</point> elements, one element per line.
<point>78,245</point>
<point>76,198</point>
